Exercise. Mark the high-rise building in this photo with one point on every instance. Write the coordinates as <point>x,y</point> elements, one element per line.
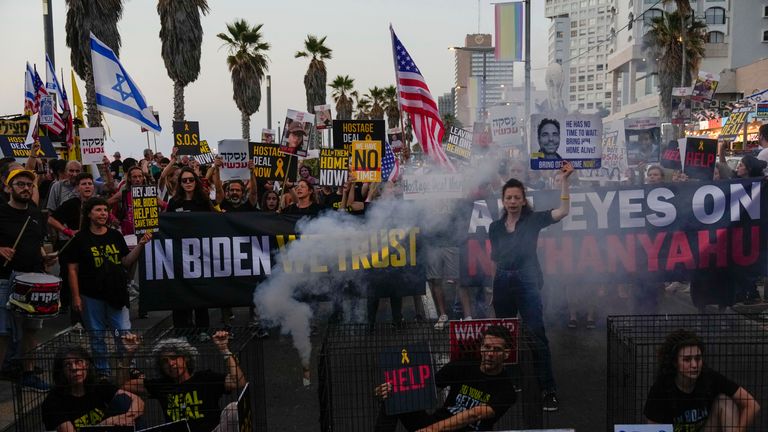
<point>480,78</point>
<point>446,103</point>
<point>589,25</point>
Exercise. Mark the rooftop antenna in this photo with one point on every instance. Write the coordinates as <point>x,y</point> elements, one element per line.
<point>478,16</point>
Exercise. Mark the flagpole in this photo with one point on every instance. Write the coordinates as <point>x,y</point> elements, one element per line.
<point>527,62</point>
<point>397,84</point>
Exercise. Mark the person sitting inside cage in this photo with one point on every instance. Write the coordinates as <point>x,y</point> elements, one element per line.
<point>479,394</point>
<point>185,392</point>
<point>693,397</point>
<point>80,399</point>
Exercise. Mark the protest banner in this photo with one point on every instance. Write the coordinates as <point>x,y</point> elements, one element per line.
<point>705,86</point>
<point>576,138</point>
<point>92,145</point>
<point>334,166</point>
<point>642,137</point>
<point>206,156</point>
<point>395,136</point>
<point>18,125</point>
<point>643,428</point>
<point>614,165</point>
<point>234,155</point>
<point>466,336</point>
<point>15,146</point>
<point>268,136</point>
<point>761,110</point>
<point>366,161</point>
<point>270,164</point>
<point>146,210</point>
<point>459,145</point>
<point>323,118</point>
<point>660,232</point>
<point>221,266</point>
<point>346,131</point>
<point>670,156</point>
<point>734,126</point>
<point>295,139</point>
<point>506,129</point>
<point>432,186</point>
<point>700,157</point>
<point>408,371</point>
<point>186,136</point>
<point>245,410</point>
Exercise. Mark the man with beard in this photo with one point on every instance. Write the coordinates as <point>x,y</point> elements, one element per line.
<point>64,189</point>
<point>234,193</point>
<point>25,256</point>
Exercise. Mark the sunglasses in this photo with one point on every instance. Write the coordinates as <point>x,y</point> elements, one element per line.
<point>188,180</point>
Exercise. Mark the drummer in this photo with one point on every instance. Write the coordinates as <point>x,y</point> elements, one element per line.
<point>21,250</point>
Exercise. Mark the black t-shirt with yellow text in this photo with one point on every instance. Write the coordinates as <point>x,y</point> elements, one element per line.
<point>90,251</point>
<point>196,399</point>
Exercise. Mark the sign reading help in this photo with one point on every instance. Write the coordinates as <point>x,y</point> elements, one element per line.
<point>92,145</point>
<point>366,161</point>
<point>408,371</point>
<point>186,136</point>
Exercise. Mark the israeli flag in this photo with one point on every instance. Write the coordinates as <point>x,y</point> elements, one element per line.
<point>116,92</point>
<point>52,83</point>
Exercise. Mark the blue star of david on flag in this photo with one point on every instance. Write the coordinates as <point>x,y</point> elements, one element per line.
<point>124,95</point>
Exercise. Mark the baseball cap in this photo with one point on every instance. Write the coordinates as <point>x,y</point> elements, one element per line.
<point>16,172</point>
<point>296,127</point>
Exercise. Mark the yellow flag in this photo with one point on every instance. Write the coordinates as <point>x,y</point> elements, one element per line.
<point>74,151</point>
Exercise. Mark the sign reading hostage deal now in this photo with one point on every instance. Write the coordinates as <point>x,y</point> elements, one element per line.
<point>270,163</point>
<point>186,136</point>
<point>347,131</point>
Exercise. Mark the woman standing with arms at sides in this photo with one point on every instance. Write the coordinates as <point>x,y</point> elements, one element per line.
<point>191,197</point>
<point>518,278</point>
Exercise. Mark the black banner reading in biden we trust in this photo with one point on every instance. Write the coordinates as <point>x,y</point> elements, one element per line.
<point>664,232</point>
<point>184,266</point>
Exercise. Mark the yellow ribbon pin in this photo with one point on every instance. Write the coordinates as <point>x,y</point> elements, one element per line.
<point>404,359</point>
<point>279,170</point>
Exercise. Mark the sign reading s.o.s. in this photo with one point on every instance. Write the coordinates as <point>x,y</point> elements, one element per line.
<point>186,136</point>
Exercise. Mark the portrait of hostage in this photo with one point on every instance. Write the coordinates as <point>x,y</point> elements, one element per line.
<point>693,397</point>
<point>294,142</point>
<point>548,133</point>
<point>479,393</point>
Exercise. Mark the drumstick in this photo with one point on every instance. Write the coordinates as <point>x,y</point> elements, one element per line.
<point>58,252</point>
<point>18,239</point>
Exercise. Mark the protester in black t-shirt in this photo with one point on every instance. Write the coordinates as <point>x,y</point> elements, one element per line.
<point>270,202</point>
<point>79,399</point>
<point>97,261</point>
<point>518,278</point>
<point>305,203</point>
<point>330,198</point>
<point>20,219</point>
<point>182,390</point>
<point>479,394</point>
<point>233,200</point>
<point>691,396</point>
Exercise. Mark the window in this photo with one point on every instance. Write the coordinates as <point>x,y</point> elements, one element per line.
<point>607,95</point>
<point>599,86</point>
<point>599,67</point>
<point>581,87</point>
<point>715,37</point>
<point>573,98</point>
<point>715,15</point>
<point>631,22</point>
<point>765,35</point>
<point>590,105</point>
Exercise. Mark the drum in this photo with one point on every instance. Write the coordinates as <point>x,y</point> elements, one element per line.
<point>35,295</point>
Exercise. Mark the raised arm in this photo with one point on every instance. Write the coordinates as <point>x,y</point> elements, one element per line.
<point>235,378</point>
<point>565,198</point>
<point>133,255</point>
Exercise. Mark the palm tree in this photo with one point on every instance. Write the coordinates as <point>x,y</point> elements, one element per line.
<point>84,17</point>
<point>341,85</point>
<point>376,95</point>
<point>391,107</point>
<point>247,61</point>
<point>181,35</point>
<point>363,106</point>
<point>664,42</point>
<point>316,76</point>
<point>449,119</point>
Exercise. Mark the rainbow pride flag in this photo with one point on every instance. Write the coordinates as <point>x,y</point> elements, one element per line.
<point>510,31</point>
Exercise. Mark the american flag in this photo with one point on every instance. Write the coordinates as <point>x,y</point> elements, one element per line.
<point>58,124</point>
<point>390,167</point>
<point>415,99</point>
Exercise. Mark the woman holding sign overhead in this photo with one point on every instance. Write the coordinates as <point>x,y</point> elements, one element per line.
<point>518,277</point>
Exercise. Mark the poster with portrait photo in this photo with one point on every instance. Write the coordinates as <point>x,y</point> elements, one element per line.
<point>642,140</point>
<point>576,138</point>
<point>323,119</point>
<point>295,139</point>
<point>681,110</point>
<point>268,136</point>
<point>395,137</point>
<point>705,86</point>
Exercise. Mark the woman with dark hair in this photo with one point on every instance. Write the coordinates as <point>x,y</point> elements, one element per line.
<point>693,397</point>
<point>270,202</point>
<point>518,278</point>
<point>750,166</point>
<point>97,261</point>
<point>79,399</point>
<point>305,201</point>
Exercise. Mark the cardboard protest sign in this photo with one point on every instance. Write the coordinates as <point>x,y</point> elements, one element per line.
<point>366,161</point>
<point>670,156</point>
<point>234,155</point>
<point>271,164</point>
<point>395,136</point>
<point>761,111</point>
<point>614,162</point>
<point>705,86</point>
<point>432,186</point>
<point>642,140</point>
<point>14,146</point>
<point>46,110</point>
<point>92,145</point>
<point>681,105</point>
<point>268,136</point>
<point>481,135</point>
<point>346,131</point>
<point>244,410</point>
<point>459,144</point>
<point>206,156</point>
<point>576,138</point>
<point>295,137</point>
<point>323,118</point>
<point>408,370</point>
<point>700,157</point>
<point>735,124</point>
<point>146,211</point>
<point>334,166</point>
<point>466,337</point>
<point>506,129</point>
<point>186,136</point>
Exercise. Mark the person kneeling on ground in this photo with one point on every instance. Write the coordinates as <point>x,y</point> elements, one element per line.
<point>692,397</point>
<point>183,391</point>
<point>479,394</point>
<point>80,399</point>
